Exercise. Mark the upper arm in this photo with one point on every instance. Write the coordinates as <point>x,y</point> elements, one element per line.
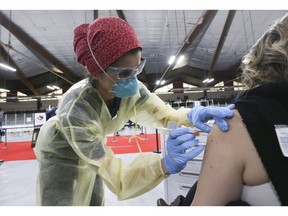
<point>82,127</point>
<point>153,112</point>
<point>220,179</point>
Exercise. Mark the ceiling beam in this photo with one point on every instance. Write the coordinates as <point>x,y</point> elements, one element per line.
<point>95,14</point>
<point>121,14</point>
<point>201,25</point>
<point>20,74</point>
<point>222,39</point>
<point>37,49</point>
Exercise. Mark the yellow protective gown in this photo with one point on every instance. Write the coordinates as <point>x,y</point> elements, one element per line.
<point>72,153</point>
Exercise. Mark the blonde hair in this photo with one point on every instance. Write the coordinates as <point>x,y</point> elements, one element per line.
<point>268,58</point>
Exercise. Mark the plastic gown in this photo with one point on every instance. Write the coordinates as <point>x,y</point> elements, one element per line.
<point>74,161</point>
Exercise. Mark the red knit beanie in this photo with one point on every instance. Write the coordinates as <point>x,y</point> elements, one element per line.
<point>109,38</point>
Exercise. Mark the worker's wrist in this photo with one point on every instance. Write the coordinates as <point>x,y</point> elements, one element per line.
<point>163,168</point>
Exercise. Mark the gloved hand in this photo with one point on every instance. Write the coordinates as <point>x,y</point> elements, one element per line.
<point>178,142</point>
<point>199,115</point>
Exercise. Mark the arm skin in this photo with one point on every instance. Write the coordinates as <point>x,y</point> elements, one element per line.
<point>230,160</point>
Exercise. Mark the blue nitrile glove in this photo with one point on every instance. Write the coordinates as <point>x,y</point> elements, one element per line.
<point>178,142</point>
<point>199,115</point>
<point>231,106</point>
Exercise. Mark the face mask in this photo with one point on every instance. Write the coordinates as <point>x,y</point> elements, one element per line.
<point>125,88</point>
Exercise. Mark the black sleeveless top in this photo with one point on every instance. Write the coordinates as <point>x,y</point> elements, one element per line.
<point>261,108</point>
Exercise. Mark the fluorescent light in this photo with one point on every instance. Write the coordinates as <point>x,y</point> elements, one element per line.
<point>50,87</point>
<point>210,80</point>
<point>7,67</point>
<point>158,82</point>
<point>180,59</point>
<point>171,60</point>
<point>55,87</point>
<point>4,90</point>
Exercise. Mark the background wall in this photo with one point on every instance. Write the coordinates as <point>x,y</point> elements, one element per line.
<point>26,105</point>
<point>220,97</point>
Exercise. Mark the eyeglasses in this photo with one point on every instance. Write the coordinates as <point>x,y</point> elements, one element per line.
<point>127,73</point>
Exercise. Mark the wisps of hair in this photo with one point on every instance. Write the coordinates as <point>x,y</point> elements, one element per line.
<point>268,58</point>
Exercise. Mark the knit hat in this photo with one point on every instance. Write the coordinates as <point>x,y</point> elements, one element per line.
<point>109,38</point>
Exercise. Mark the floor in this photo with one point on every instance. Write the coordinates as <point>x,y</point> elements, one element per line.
<point>18,183</point>
<point>18,180</point>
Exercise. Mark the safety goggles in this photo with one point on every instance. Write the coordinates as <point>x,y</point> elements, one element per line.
<point>127,73</point>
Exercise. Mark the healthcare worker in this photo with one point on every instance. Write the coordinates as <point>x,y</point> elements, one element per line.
<point>74,161</point>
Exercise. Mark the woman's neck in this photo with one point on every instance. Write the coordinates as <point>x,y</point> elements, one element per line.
<point>107,96</point>
<point>104,86</point>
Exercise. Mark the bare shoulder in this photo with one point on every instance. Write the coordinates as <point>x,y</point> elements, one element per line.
<point>237,131</point>
<point>236,145</point>
<point>232,145</point>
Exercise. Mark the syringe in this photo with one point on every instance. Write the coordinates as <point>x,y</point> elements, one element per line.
<point>192,130</point>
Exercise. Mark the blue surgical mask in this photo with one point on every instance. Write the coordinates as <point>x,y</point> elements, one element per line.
<point>125,88</point>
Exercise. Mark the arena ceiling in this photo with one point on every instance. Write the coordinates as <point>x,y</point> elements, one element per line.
<point>38,44</point>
